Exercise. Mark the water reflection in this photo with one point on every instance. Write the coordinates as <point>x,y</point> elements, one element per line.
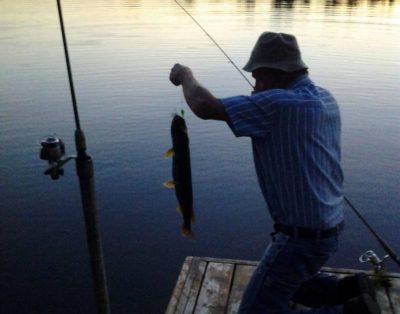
<point>284,4</point>
<point>348,3</point>
<point>189,2</point>
<point>132,3</point>
<point>362,8</point>
<point>292,3</point>
<point>121,53</point>
<point>252,4</point>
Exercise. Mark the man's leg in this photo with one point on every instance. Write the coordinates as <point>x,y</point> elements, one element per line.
<point>326,289</point>
<point>320,290</point>
<point>285,266</point>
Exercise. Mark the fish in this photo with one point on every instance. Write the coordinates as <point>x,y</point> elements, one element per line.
<point>181,173</point>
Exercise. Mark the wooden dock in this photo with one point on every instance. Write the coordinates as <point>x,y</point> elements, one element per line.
<point>210,285</point>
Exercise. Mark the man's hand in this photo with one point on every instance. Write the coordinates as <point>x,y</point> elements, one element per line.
<point>178,73</point>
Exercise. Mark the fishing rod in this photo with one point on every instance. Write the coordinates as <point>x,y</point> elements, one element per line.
<point>70,80</point>
<point>53,150</point>
<point>382,242</point>
<point>384,245</point>
<point>212,39</point>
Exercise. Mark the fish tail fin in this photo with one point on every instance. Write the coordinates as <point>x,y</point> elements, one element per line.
<point>187,232</point>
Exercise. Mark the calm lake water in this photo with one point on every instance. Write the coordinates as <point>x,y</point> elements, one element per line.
<point>121,52</point>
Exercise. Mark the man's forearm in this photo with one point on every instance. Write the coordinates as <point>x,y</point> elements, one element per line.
<point>200,100</point>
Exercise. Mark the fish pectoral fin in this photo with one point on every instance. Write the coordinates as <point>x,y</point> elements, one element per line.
<point>169,153</point>
<point>179,209</point>
<point>169,184</point>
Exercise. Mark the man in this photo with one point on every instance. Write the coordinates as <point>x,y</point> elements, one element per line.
<point>294,126</point>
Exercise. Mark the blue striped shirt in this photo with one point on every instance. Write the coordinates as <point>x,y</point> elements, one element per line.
<point>295,135</point>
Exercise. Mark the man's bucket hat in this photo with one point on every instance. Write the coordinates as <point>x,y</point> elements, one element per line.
<point>277,51</point>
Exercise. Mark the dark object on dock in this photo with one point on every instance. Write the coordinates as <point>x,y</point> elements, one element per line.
<point>211,285</point>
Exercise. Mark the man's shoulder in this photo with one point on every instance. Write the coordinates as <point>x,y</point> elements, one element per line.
<point>286,98</point>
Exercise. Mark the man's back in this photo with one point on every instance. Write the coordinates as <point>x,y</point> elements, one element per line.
<point>296,145</point>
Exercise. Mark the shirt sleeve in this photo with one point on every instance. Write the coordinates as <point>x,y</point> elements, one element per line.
<point>249,115</point>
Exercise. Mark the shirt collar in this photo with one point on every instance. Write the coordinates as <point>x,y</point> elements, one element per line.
<point>300,81</point>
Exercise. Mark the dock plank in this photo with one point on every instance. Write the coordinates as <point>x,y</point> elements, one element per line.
<point>198,278</point>
<point>383,300</point>
<point>173,303</point>
<point>394,295</point>
<point>215,290</point>
<point>192,287</point>
<point>240,280</point>
<point>215,286</point>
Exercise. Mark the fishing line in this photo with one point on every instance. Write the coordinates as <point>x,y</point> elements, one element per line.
<point>382,242</point>
<point>212,39</point>
<point>384,245</point>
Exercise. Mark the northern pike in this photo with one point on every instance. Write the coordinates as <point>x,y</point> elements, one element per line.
<point>181,173</point>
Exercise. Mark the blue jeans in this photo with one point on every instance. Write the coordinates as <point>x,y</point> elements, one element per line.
<point>290,270</point>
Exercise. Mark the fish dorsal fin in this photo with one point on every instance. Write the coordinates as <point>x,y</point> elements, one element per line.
<point>169,153</point>
<point>169,184</point>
